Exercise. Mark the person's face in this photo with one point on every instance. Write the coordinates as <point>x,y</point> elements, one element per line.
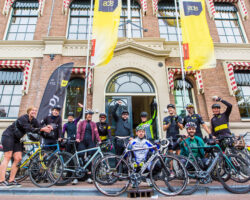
<point>171,111</point>
<point>140,133</point>
<point>125,116</point>
<point>33,112</point>
<point>55,112</point>
<point>216,111</point>
<point>144,119</point>
<point>89,117</point>
<point>190,110</point>
<point>102,119</point>
<point>70,118</point>
<point>191,131</point>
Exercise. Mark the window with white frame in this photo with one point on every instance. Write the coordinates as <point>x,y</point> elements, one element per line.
<point>134,29</point>
<point>167,20</point>
<point>242,78</point>
<point>10,92</point>
<point>23,20</point>
<point>228,24</point>
<point>179,96</point>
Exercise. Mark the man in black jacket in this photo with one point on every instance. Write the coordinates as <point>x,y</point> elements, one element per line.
<point>220,121</point>
<point>122,129</point>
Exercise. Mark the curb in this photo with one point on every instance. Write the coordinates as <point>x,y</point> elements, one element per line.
<point>93,191</point>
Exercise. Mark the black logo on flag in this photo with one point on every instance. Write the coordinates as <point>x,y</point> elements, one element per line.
<point>108,5</point>
<point>192,8</point>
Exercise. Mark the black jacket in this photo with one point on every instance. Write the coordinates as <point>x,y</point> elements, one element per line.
<point>122,128</point>
<point>56,123</point>
<point>24,125</point>
<point>220,125</point>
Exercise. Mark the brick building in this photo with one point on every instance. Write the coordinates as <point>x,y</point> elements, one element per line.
<point>37,36</point>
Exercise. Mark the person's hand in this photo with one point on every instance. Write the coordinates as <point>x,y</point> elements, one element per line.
<point>216,98</point>
<point>119,102</point>
<point>50,127</point>
<point>46,129</point>
<point>131,138</point>
<point>59,139</point>
<point>79,104</point>
<point>77,140</point>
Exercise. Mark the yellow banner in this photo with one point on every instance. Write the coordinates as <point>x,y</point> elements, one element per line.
<point>198,45</point>
<point>105,31</point>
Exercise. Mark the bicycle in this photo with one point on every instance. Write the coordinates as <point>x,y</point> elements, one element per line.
<point>225,166</point>
<point>107,172</point>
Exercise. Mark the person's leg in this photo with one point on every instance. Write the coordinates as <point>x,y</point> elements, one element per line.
<point>17,158</point>
<point>4,165</point>
<point>90,144</point>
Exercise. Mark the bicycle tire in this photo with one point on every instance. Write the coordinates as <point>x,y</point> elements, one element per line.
<point>97,158</point>
<point>191,168</point>
<point>242,170</point>
<point>67,176</point>
<point>103,169</point>
<point>40,170</point>
<point>166,176</point>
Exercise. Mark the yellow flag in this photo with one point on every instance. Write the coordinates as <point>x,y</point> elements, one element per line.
<point>198,45</point>
<point>105,31</point>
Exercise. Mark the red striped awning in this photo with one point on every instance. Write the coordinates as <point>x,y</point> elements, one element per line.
<point>81,70</point>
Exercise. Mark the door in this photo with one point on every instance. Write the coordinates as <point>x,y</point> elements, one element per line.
<point>109,107</point>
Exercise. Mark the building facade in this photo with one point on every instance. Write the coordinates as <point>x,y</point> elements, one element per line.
<point>37,36</point>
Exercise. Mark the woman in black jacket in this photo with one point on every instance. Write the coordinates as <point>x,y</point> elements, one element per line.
<point>12,145</point>
<point>55,122</point>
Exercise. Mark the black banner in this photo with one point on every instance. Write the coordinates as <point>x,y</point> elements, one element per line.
<point>54,93</point>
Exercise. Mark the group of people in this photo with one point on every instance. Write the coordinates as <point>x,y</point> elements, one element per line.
<point>88,133</point>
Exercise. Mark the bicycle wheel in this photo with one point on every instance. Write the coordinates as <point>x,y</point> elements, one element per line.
<point>111,175</point>
<point>68,172</point>
<point>192,168</point>
<point>239,172</point>
<point>46,170</point>
<point>97,158</point>
<point>168,175</point>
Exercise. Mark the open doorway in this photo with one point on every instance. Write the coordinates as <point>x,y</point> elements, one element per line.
<point>140,104</point>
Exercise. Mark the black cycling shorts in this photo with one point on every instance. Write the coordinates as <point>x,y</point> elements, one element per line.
<point>9,144</point>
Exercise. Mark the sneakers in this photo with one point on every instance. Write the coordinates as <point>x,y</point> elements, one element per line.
<point>172,174</point>
<point>5,185</point>
<point>149,182</point>
<point>89,180</point>
<point>15,184</point>
<point>75,181</point>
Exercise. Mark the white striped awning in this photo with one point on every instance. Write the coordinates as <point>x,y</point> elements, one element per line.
<point>241,5</point>
<point>143,4</point>
<point>24,65</point>
<point>8,4</point>
<point>196,74</point>
<point>229,68</point>
<point>81,70</point>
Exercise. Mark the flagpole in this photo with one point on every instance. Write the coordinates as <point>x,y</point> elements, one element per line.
<point>129,19</point>
<point>87,61</point>
<point>181,55</point>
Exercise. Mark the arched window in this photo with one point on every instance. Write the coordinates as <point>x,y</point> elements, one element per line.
<point>75,92</point>
<point>79,20</point>
<point>23,20</point>
<point>167,20</point>
<point>129,82</point>
<point>135,11</point>
<point>227,23</point>
<point>179,96</point>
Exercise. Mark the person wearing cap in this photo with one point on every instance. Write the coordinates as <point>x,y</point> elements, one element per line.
<point>148,124</point>
<point>172,124</point>
<point>54,120</point>
<point>103,127</point>
<point>122,129</point>
<point>87,136</point>
<point>70,127</point>
<point>196,118</point>
<point>220,121</point>
<point>193,141</point>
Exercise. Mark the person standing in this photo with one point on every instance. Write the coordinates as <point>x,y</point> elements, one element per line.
<point>87,136</point>
<point>103,127</point>
<point>12,146</point>
<point>148,124</point>
<point>197,119</point>
<point>220,121</point>
<point>172,124</point>
<point>122,129</point>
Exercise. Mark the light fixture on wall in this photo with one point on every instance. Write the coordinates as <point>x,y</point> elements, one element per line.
<point>52,56</point>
